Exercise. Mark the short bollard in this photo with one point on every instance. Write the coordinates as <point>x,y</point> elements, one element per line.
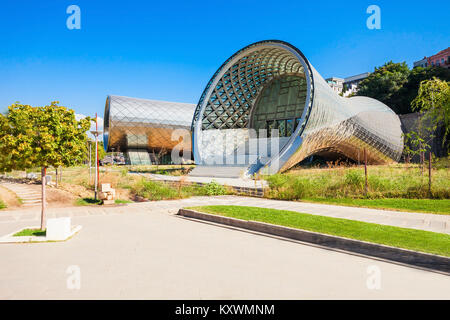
<point>58,228</point>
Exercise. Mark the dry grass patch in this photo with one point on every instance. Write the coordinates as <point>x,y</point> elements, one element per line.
<point>59,198</point>
<point>9,199</point>
<point>390,181</point>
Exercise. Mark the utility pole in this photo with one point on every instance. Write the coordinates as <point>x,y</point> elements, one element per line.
<point>43,213</point>
<point>96,160</point>
<point>96,155</point>
<point>90,162</point>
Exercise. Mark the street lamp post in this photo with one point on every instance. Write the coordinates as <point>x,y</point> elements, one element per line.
<point>96,133</point>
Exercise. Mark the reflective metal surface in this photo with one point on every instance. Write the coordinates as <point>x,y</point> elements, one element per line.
<point>134,125</point>
<point>311,119</point>
<point>267,87</point>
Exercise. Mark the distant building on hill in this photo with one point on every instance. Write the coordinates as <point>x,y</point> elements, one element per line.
<point>337,84</point>
<point>352,82</point>
<point>348,85</point>
<point>440,59</point>
<point>421,63</point>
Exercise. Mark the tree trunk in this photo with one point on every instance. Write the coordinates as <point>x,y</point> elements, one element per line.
<point>56,177</point>
<point>43,174</point>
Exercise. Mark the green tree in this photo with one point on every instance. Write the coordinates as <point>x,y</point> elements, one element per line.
<point>385,82</point>
<point>345,88</point>
<point>403,98</point>
<point>397,86</point>
<point>433,101</point>
<point>41,137</point>
<point>5,158</point>
<point>415,144</point>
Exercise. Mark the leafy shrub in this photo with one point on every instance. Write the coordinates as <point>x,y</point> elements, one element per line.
<point>214,189</point>
<point>277,180</point>
<point>354,179</point>
<point>288,188</point>
<point>390,181</point>
<point>154,190</point>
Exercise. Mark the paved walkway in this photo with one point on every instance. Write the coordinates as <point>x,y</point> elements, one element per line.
<point>140,251</point>
<point>26,194</point>
<point>422,221</point>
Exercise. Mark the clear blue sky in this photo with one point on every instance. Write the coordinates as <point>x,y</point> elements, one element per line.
<point>168,50</point>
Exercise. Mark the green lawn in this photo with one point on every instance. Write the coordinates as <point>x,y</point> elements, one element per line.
<point>87,201</point>
<point>437,206</point>
<point>92,201</point>
<point>30,232</point>
<point>2,204</point>
<point>119,201</point>
<point>418,240</point>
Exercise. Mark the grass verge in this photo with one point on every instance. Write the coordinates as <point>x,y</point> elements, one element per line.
<point>87,201</point>
<point>436,206</point>
<point>390,181</point>
<point>30,232</point>
<point>154,191</point>
<point>2,204</point>
<point>412,239</point>
<point>122,201</point>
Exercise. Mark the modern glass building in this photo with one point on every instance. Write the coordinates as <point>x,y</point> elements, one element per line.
<point>264,110</point>
<point>143,128</point>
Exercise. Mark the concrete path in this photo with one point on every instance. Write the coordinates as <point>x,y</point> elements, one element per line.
<point>26,194</point>
<point>422,221</point>
<point>140,251</point>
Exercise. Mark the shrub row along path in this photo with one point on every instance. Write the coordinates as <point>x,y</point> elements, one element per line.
<point>145,251</point>
<point>26,194</point>
<point>421,221</point>
<point>232,182</point>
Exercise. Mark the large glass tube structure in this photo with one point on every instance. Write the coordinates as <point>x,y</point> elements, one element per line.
<point>264,110</point>
<point>270,85</point>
